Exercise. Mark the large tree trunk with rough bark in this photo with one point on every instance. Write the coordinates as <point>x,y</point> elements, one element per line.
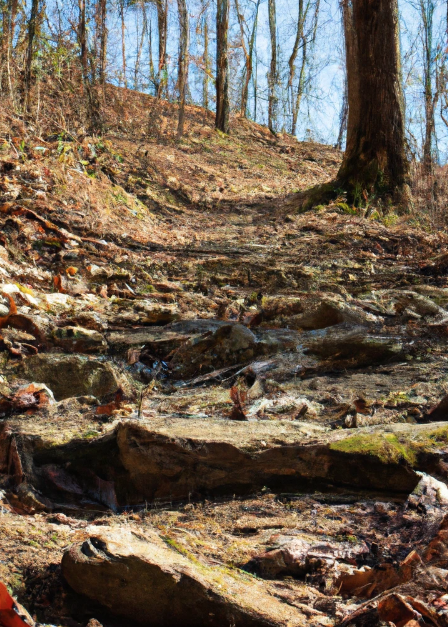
<point>222,67</point>
<point>375,160</point>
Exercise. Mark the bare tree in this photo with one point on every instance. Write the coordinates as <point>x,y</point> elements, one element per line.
<point>248,49</point>
<point>9,11</point>
<point>140,39</point>
<point>102,16</point>
<point>426,10</point>
<point>183,63</point>
<point>205,60</point>
<point>123,42</point>
<point>148,27</point>
<point>162,25</point>
<point>273,70</point>
<point>301,42</point>
<point>222,67</point>
<point>30,51</point>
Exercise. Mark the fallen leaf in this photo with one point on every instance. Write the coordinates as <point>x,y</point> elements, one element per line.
<point>107,410</point>
<point>57,283</point>
<point>12,310</point>
<point>239,398</point>
<point>10,611</point>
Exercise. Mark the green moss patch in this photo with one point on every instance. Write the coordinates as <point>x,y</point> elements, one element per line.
<point>388,448</point>
<point>391,448</point>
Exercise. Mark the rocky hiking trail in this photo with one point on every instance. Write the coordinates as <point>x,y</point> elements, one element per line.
<point>215,410</point>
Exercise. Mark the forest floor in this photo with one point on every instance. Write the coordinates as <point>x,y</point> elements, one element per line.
<point>183,353</point>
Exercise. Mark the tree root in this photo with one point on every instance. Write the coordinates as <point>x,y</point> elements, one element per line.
<point>401,199</point>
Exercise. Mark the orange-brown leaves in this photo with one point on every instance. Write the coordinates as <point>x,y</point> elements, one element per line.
<point>238,397</point>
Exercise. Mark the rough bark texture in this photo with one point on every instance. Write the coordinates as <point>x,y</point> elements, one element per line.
<point>206,64</point>
<point>375,159</point>
<point>162,25</point>
<point>29,54</point>
<point>273,71</point>
<point>102,37</point>
<point>299,42</point>
<point>222,67</point>
<point>5,47</point>
<point>248,55</point>
<point>123,44</point>
<point>183,63</point>
<point>430,96</point>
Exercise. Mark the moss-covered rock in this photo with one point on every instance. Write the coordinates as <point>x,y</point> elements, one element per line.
<point>72,375</point>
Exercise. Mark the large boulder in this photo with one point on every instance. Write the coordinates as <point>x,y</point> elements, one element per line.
<point>144,580</point>
<point>72,375</point>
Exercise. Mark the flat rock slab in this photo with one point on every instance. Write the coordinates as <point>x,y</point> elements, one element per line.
<point>149,582</point>
<point>160,464</point>
<point>144,461</point>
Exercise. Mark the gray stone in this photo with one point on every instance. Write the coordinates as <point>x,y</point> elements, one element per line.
<point>72,375</point>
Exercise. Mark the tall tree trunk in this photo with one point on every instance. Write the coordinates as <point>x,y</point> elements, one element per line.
<point>93,105</point>
<point>248,56</point>
<point>427,16</point>
<point>255,78</point>
<point>9,14</point>
<point>4,45</point>
<point>206,64</point>
<point>350,59</point>
<point>140,42</point>
<point>103,40</point>
<point>222,67</point>
<point>152,75</point>
<point>29,54</point>
<point>297,101</point>
<point>273,71</point>
<point>299,40</point>
<point>123,44</point>
<point>183,63</point>
<point>82,38</point>
<point>162,24</point>
<point>375,158</point>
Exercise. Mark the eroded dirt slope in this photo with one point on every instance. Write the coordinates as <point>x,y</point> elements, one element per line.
<point>187,359</point>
